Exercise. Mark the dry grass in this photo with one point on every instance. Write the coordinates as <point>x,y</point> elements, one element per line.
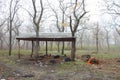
<point>109,69</point>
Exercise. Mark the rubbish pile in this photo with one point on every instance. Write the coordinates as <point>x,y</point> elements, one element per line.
<point>90,60</point>
<point>50,59</point>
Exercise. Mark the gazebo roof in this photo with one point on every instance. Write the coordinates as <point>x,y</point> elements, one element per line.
<point>46,35</point>
<point>61,36</point>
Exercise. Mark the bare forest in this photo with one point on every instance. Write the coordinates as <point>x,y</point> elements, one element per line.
<point>59,40</point>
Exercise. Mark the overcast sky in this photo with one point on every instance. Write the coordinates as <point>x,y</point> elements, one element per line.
<point>94,7</point>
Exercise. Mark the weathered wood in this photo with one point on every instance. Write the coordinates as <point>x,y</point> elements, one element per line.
<point>46,48</point>
<point>73,51</point>
<point>47,39</point>
<point>63,47</point>
<point>19,49</point>
<point>62,39</point>
<point>32,48</point>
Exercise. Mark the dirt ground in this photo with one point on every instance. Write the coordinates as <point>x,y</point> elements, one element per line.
<point>24,69</point>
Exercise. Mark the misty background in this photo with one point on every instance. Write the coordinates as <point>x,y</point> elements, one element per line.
<point>102,21</point>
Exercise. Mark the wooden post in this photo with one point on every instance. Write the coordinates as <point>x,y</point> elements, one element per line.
<point>58,46</point>
<point>63,47</point>
<point>32,48</point>
<point>46,48</point>
<point>73,50</point>
<point>19,49</point>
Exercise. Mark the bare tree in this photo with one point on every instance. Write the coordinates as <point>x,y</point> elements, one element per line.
<point>74,19</point>
<point>1,34</point>
<point>113,8</point>
<point>60,21</point>
<point>16,28</point>
<point>96,36</point>
<point>81,35</point>
<point>107,30</point>
<point>13,8</point>
<point>37,16</point>
<point>77,16</point>
<point>17,25</point>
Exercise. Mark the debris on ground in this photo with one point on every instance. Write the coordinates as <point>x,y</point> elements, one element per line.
<point>52,61</point>
<point>93,61</point>
<point>56,56</point>
<point>66,59</point>
<point>28,75</point>
<point>86,57</point>
<point>118,60</point>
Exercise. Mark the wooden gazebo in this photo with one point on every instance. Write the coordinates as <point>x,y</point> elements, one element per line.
<point>61,37</point>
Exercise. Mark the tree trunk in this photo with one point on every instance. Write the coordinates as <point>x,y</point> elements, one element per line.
<point>97,44</point>
<point>10,38</point>
<point>1,46</point>
<point>81,39</point>
<point>108,45</point>
<point>107,39</point>
<point>46,48</point>
<point>73,51</point>
<point>37,42</point>
<point>32,48</point>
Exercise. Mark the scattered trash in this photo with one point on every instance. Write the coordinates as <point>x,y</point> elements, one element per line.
<point>52,71</point>
<point>93,61</point>
<point>66,59</point>
<point>10,78</point>
<point>85,58</point>
<point>41,57</point>
<point>52,61</point>
<point>17,73</point>
<point>56,56</point>
<point>28,75</point>
<point>18,60</point>
<point>118,60</point>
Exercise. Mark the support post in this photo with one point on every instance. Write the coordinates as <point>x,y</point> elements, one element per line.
<point>63,47</point>
<point>73,50</point>
<point>32,48</point>
<point>19,49</point>
<point>58,46</point>
<point>46,48</point>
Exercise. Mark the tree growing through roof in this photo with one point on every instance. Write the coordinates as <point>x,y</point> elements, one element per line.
<point>78,12</point>
<point>37,16</point>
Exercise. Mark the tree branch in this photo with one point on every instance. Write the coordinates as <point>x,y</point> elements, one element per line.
<point>40,17</point>
<point>35,12</point>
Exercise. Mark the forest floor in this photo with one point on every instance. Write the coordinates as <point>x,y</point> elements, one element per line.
<point>12,68</point>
